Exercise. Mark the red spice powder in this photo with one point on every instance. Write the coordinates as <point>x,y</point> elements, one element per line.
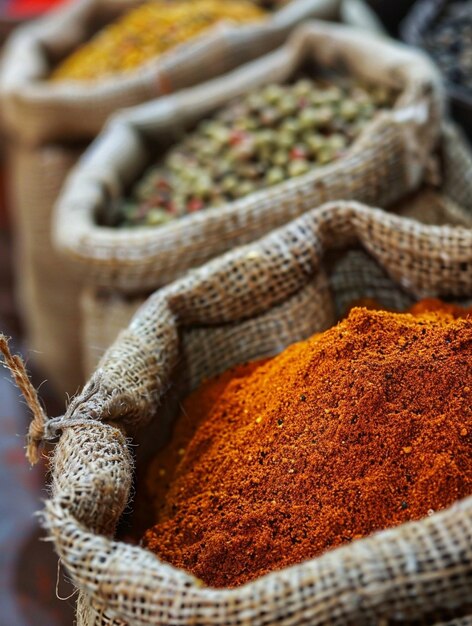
<point>360,428</point>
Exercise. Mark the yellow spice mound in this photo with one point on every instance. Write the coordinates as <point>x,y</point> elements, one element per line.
<point>148,32</point>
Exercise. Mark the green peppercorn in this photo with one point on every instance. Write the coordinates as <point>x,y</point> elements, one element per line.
<point>298,167</point>
<point>325,154</point>
<point>336,142</point>
<point>202,185</point>
<point>157,217</point>
<point>275,175</point>
<point>272,93</point>
<point>265,138</point>
<point>303,87</point>
<point>286,139</point>
<point>348,109</point>
<point>366,109</point>
<point>280,157</point>
<point>287,105</point>
<point>332,95</point>
<point>325,115</point>
<point>248,123</point>
<point>218,133</point>
<point>308,118</point>
<point>314,142</point>
<point>229,183</point>
<point>244,188</point>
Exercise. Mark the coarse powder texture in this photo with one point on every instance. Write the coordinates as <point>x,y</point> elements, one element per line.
<point>360,428</point>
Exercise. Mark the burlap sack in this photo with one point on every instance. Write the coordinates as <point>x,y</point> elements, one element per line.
<point>386,162</point>
<point>46,293</point>
<point>103,315</point>
<point>247,304</point>
<point>105,312</point>
<point>41,112</point>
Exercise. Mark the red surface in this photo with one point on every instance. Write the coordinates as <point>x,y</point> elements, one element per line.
<point>28,8</point>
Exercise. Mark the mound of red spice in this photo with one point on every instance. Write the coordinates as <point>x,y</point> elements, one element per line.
<point>360,428</point>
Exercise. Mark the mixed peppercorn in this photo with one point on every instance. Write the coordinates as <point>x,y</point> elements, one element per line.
<point>449,41</point>
<point>272,134</point>
<point>148,32</point>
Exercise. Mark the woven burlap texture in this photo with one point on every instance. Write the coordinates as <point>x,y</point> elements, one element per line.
<point>104,313</point>
<point>386,162</point>
<point>249,303</point>
<point>46,291</point>
<point>40,111</point>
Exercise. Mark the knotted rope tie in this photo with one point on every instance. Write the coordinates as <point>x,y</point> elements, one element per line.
<point>41,428</point>
<point>50,428</point>
<point>16,366</point>
<point>53,426</point>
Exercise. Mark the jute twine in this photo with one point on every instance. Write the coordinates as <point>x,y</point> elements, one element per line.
<point>39,424</point>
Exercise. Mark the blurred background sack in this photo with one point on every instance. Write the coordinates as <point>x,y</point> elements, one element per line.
<point>49,123</point>
<point>385,163</point>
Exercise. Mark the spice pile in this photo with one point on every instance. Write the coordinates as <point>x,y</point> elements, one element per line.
<point>149,31</point>
<point>450,43</point>
<point>274,133</point>
<point>360,428</point>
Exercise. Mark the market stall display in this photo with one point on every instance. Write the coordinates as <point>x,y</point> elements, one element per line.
<point>261,267</point>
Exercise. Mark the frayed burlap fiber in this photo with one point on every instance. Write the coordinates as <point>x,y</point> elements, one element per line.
<point>448,201</point>
<point>386,161</point>
<point>250,303</point>
<point>42,111</point>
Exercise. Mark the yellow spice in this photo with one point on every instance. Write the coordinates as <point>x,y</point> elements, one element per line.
<point>147,32</point>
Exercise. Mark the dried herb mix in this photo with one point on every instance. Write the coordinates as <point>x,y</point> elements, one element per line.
<point>147,32</point>
<point>360,428</point>
<point>272,134</point>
